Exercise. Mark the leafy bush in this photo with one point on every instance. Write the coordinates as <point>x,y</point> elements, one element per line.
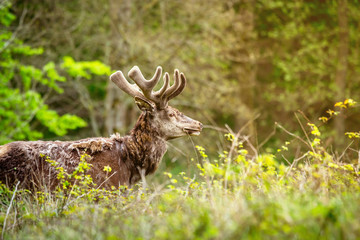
<point>24,88</point>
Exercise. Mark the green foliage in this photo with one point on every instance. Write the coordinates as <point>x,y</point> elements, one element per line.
<point>22,92</point>
<point>59,124</point>
<point>305,39</point>
<point>6,18</point>
<point>85,68</point>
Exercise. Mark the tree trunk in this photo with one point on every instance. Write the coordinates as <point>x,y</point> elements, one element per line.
<point>247,72</point>
<point>342,67</point>
<point>116,109</point>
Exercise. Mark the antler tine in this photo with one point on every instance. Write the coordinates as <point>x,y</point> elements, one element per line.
<point>120,81</point>
<point>180,88</point>
<point>159,94</point>
<point>177,87</point>
<point>170,90</point>
<point>145,85</point>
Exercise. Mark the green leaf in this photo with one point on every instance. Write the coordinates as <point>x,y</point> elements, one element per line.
<point>6,18</point>
<point>84,68</point>
<point>59,124</point>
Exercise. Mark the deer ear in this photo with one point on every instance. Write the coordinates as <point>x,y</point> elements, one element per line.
<point>144,105</point>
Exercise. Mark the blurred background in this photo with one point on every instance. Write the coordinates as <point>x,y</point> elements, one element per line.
<point>249,65</point>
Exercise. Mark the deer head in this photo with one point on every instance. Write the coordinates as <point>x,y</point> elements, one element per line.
<point>168,121</point>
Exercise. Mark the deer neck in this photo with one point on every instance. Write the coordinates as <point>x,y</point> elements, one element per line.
<point>146,144</point>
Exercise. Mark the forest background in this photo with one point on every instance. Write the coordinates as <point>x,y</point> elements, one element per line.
<point>250,65</point>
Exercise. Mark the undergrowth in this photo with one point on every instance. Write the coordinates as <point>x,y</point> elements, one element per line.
<point>236,195</point>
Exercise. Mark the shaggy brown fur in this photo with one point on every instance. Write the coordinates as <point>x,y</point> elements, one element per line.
<point>143,149</point>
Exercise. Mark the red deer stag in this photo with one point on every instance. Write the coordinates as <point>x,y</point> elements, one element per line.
<point>131,157</point>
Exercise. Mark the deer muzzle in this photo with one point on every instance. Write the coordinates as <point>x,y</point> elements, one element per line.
<point>194,130</point>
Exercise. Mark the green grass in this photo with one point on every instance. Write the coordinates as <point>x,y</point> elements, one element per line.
<point>233,196</point>
<point>317,199</point>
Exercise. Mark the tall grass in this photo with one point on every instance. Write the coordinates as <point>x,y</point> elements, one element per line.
<point>236,195</point>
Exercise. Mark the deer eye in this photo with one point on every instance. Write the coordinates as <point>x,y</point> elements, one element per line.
<point>171,115</point>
